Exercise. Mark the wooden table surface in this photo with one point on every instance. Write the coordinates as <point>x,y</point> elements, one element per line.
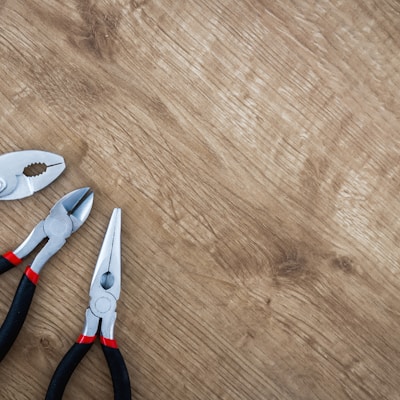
<point>254,149</point>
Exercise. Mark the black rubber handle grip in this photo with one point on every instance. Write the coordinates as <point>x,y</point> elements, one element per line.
<point>65,369</point>
<point>119,373</point>
<point>5,264</point>
<point>16,315</point>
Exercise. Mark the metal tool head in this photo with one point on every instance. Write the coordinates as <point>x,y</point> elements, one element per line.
<point>14,184</point>
<point>105,287</point>
<point>65,217</point>
<point>107,273</point>
<point>75,206</point>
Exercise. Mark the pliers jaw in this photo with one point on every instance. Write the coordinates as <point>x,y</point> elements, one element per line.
<point>14,184</point>
<point>107,273</point>
<point>71,212</point>
<point>66,216</point>
<point>105,287</point>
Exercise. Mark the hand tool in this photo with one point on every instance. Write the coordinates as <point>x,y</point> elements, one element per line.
<point>65,217</point>
<point>14,184</point>
<point>104,293</point>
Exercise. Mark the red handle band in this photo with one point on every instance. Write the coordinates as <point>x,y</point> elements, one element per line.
<point>108,342</point>
<point>10,256</point>
<point>82,339</point>
<point>32,275</point>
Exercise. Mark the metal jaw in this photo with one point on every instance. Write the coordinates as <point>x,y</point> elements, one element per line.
<point>106,282</point>
<point>66,216</point>
<point>15,185</point>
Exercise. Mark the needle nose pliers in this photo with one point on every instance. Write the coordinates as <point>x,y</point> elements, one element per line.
<point>65,217</point>
<point>104,292</point>
<point>14,184</point>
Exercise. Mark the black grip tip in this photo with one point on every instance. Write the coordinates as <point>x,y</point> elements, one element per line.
<point>119,373</point>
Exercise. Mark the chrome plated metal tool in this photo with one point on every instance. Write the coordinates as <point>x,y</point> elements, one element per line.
<point>100,317</point>
<point>65,218</point>
<point>15,184</point>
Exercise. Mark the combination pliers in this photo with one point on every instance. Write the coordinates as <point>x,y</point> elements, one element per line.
<point>100,316</point>
<point>15,184</point>
<point>65,218</point>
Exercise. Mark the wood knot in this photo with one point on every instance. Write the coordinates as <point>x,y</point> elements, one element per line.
<point>45,342</point>
<point>343,263</point>
<point>290,268</point>
<point>100,25</point>
<point>48,342</point>
<point>293,265</point>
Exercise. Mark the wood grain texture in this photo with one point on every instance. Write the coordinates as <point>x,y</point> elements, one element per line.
<point>253,147</point>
